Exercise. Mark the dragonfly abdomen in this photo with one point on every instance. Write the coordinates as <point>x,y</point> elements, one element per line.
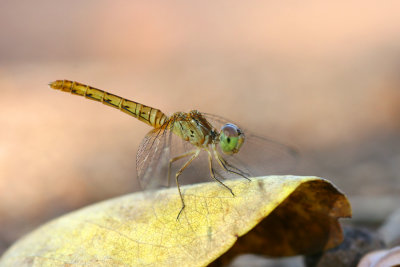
<point>149,115</point>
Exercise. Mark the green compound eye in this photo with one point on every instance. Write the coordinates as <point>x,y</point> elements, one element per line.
<point>231,138</point>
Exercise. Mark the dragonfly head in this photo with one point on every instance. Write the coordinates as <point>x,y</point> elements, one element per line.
<point>231,138</point>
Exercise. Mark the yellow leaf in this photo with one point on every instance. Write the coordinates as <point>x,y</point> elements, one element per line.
<point>273,215</point>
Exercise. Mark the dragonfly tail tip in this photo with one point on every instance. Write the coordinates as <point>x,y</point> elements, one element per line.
<point>52,84</point>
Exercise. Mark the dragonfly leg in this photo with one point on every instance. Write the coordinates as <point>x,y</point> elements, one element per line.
<point>242,173</point>
<point>224,164</point>
<point>194,155</point>
<point>213,174</point>
<point>175,159</point>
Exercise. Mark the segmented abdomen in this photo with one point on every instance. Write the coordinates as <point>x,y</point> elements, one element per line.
<point>149,115</point>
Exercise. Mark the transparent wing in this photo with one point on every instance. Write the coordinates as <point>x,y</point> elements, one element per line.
<point>258,155</point>
<point>153,158</point>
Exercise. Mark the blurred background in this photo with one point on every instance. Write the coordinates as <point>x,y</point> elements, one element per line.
<point>321,76</point>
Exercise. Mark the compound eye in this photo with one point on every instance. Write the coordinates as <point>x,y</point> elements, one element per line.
<point>231,138</point>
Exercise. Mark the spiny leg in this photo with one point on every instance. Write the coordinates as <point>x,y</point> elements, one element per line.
<point>195,154</point>
<point>234,170</point>
<point>175,159</point>
<point>243,173</point>
<point>223,164</point>
<point>212,172</point>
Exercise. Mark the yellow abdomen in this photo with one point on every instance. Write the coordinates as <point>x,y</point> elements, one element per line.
<point>149,115</point>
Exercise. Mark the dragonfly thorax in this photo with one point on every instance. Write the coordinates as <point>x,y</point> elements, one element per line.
<point>194,128</point>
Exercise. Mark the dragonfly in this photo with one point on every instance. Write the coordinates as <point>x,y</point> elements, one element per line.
<point>194,136</point>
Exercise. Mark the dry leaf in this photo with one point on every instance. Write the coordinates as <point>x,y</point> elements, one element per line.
<point>273,215</point>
